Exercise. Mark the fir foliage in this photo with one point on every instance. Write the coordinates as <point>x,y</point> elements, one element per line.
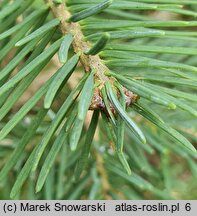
<point>127,129</point>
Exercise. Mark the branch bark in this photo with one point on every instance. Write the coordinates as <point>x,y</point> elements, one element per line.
<point>79,44</point>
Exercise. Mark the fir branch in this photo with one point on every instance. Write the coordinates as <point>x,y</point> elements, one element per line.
<point>163,74</point>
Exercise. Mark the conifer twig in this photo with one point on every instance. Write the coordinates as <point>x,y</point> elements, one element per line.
<point>89,62</point>
<point>79,44</point>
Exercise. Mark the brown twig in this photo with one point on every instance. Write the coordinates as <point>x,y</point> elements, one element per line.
<point>79,44</point>
<point>89,62</point>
